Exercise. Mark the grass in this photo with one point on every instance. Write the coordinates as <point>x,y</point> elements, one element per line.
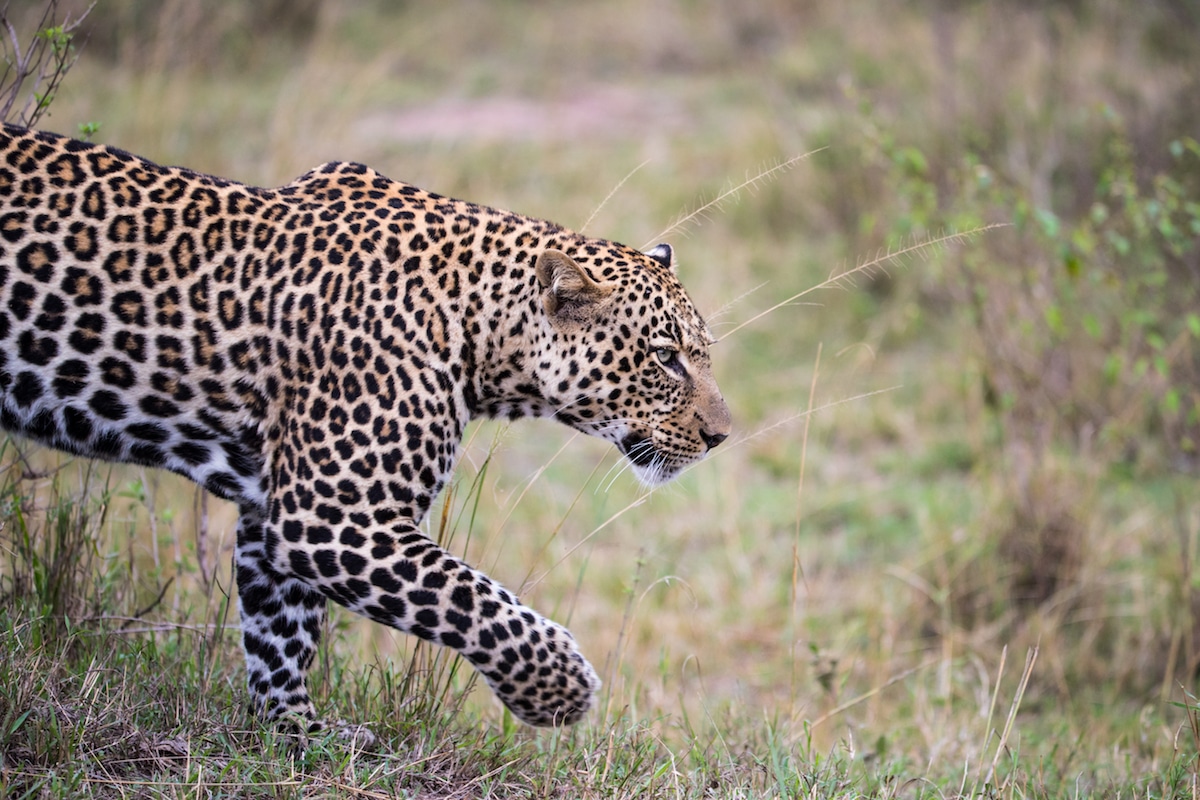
<point>845,603</point>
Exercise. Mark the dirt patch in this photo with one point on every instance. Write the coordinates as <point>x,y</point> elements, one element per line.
<point>610,112</point>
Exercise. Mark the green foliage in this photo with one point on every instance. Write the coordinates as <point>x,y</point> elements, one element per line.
<point>50,532</point>
<point>1086,324</point>
<point>1080,323</point>
<point>33,73</point>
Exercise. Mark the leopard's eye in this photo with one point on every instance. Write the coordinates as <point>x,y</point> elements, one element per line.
<point>669,358</point>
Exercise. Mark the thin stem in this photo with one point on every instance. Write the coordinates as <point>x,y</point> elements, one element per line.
<point>729,194</point>
<point>866,267</point>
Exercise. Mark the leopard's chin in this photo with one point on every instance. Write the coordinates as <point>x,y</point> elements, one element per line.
<point>651,465</point>
<point>656,474</point>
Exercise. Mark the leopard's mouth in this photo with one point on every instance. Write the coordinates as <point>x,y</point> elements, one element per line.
<point>639,450</point>
<point>651,465</point>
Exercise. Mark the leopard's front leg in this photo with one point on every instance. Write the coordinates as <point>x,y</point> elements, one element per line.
<point>397,576</point>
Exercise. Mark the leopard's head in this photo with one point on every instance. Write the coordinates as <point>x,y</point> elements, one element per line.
<point>632,363</point>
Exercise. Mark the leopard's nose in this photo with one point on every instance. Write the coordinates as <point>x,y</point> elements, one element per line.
<point>713,439</point>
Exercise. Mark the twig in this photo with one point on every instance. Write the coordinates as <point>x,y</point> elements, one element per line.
<point>731,303</point>
<point>728,194</point>
<point>793,418</point>
<point>47,59</point>
<point>137,615</point>
<point>833,712</point>
<point>867,266</point>
<point>987,727</point>
<point>159,627</point>
<point>1030,660</point>
<point>200,512</point>
<point>609,196</point>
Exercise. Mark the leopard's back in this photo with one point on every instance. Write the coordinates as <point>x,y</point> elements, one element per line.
<point>126,331</point>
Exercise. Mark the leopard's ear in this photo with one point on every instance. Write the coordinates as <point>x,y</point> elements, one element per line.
<point>566,289</point>
<point>663,254</point>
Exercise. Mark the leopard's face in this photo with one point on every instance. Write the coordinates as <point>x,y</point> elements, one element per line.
<point>627,358</point>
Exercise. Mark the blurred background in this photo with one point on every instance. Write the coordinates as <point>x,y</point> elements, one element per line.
<point>1003,451</point>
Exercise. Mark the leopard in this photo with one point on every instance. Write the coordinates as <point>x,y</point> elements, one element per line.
<point>312,353</point>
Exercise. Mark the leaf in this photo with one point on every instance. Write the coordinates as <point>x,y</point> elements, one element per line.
<point>1048,222</point>
<point>1073,263</point>
<point>1172,402</point>
<point>1053,316</point>
<point>19,722</point>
